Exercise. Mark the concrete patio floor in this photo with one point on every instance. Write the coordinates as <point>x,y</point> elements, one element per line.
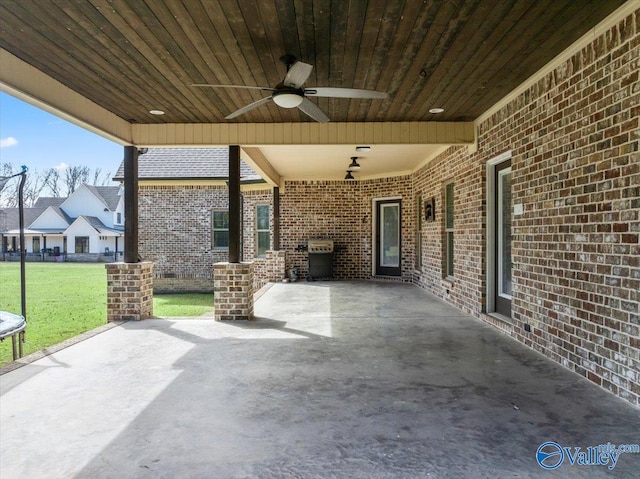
<point>335,380</point>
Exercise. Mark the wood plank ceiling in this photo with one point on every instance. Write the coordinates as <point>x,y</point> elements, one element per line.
<point>131,56</point>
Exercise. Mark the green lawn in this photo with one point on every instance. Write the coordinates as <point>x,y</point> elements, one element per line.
<point>66,299</point>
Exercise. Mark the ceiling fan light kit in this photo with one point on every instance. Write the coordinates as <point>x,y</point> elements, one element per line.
<point>349,176</point>
<point>287,99</point>
<point>290,93</point>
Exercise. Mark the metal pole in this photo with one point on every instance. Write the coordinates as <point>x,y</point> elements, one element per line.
<point>23,252</point>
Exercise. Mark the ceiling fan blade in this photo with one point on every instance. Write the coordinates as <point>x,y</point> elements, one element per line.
<point>297,75</point>
<point>313,110</point>
<point>205,85</point>
<point>248,107</point>
<point>345,93</point>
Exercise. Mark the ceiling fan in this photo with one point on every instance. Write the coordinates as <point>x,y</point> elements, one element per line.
<point>290,93</point>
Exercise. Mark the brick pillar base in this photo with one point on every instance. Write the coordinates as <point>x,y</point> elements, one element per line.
<point>233,291</point>
<point>129,291</point>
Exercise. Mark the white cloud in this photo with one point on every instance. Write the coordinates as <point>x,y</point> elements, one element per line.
<point>62,166</point>
<point>7,142</point>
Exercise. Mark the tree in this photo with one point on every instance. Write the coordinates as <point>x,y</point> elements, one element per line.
<point>33,186</point>
<point>52,180</point>
<point>100,179</point>
<point>74,176</point>
<point>7,194</point>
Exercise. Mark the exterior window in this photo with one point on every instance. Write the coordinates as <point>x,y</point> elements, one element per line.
<point>448,215</point>
<point>36,244</point>
<point>82,244</point>
<point>263,233</point>
<point>220,229</point>
<point>118,218</point>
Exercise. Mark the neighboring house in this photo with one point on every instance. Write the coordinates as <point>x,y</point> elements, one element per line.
<point>86,226</point>
<point>183,215</point>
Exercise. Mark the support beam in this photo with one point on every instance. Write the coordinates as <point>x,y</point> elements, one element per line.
<point>259,163</point>
<point>131,204</point>
<point>234,204</point>
<point>276,218</point>
<point>305,133</point>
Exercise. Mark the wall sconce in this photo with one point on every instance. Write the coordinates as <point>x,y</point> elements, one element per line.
<point>430,209</point>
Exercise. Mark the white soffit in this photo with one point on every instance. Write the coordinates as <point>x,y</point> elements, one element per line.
<point>330,162</point>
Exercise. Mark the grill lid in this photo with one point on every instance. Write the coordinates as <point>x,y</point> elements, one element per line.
<point>320,246</point>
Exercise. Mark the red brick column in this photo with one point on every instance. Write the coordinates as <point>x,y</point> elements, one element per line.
<point>233,291</point>
<point>129,291</point>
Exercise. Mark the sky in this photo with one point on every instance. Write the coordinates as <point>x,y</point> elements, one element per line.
<point>35,138</point>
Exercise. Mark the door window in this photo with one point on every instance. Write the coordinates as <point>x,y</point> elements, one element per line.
<point>388,243</point>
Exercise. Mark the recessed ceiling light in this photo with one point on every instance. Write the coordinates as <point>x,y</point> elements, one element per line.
<point>436,110</point>
<point>156,112</point>
<point>363,148</point>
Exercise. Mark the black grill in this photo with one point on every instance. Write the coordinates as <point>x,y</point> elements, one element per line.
<point>320,258</point>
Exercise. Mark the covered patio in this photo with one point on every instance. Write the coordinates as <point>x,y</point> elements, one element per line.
<point>334,379</point>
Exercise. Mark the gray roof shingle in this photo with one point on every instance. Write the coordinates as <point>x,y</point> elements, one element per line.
<point>10,218</point>
<point>187,163</point>
<point>108,194</point>
<point>99,225</point>
<point>46,201</point>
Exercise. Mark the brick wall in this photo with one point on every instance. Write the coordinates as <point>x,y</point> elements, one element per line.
<point>467,173</point>
<point>342,211</point>
<point>322,209</point>
<point>574,137</point>
<point>396,187</point>
<point>251,199</point>
<point>270,269</point>
<point>175,233</point>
